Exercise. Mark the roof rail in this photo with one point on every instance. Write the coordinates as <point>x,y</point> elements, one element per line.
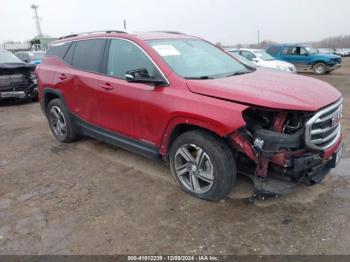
<point>93,32</point>
<point>169,32</point>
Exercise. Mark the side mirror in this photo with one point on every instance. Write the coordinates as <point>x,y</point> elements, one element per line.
<point>142,76</point>
<point>25,60</point>
<point>255,60</point>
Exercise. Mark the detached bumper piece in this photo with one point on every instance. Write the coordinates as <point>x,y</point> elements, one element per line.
<point>312,170</point>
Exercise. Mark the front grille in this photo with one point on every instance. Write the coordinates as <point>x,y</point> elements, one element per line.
<point>16,82</point>
<point>323,129</point>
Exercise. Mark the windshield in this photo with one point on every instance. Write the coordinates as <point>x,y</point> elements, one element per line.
<point>7,57</point>
<point>263,55</point>
<point>311,50</point>
<point>197,59</point>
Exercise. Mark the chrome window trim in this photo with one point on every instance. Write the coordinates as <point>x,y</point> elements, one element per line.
<point>313,119</point>
<point>119,38</point>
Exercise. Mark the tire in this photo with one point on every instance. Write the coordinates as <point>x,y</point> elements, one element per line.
<point>320,68</point>
<point>60,122</point>
<point>210,176</point>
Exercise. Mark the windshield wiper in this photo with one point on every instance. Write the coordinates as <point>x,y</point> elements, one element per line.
<point>199,77</point>
<point>242,72</point>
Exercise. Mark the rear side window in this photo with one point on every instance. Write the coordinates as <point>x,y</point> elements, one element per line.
<point>68,58</point>
<point>58,49</point>
<point>88,54</point>
<point>273,50</point>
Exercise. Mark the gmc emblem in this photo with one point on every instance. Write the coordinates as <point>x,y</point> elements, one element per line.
<point>336,119</point>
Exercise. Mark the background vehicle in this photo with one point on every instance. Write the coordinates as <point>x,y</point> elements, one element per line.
<point>180,98</point>
<point>262,59</point>
<point>346,52</point>
<point>306,58</point>
<point>242,59</point>
<point>17,79</point>
<point>325,51</point>
<point>339,52</point>
<point>33,57</point>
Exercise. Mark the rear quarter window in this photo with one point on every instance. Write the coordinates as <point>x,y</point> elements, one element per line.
<point>58,49</point>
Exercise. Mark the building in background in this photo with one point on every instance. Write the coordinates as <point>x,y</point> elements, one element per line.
<point>41,43</point>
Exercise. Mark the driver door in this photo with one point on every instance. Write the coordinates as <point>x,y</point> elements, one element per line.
<point>120,101</point>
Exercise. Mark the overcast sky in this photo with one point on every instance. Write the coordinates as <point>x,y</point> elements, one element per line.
<point>226,21</point>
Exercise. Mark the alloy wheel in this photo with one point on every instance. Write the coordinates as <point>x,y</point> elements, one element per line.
<point>194,168</point>
<point>58,122</point>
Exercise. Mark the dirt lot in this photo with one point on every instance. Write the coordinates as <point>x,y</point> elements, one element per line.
<point>91,198</point>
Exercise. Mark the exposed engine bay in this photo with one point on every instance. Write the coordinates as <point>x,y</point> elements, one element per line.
<point>273,153</point>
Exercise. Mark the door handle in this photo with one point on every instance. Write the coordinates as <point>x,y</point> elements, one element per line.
<point>62,77</point>
<point>106,86</point>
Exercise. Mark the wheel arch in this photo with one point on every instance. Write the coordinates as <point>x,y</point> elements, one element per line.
<point>48,95</point>
<point>181,125</point>
<point>319,61</point>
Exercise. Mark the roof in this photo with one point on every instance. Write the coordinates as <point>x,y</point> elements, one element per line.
<point>301,45</point>
<point>142,35</point>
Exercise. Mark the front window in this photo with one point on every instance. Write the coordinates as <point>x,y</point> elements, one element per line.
<point>197,59</point>
<point>311,50</point>
<point>125,56</point>
<point>264,56</point>
<point>7,57</point>
<point>299,51</point>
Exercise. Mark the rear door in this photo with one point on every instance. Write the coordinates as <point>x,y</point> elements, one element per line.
<point>87,69</point>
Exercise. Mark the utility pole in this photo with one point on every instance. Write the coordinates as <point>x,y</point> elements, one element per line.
<point>124,24</point>
<point>37,19</point>
<point>258,38</point>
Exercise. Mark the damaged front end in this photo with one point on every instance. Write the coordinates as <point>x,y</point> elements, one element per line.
<point>279,150</point>
<point>17,81</point>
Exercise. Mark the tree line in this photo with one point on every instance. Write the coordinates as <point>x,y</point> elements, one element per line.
<point>329,42</point>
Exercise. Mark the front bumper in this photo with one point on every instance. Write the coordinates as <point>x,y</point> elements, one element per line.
<point>31,92</point>
<point>333,67</point>
<point>281,172</point>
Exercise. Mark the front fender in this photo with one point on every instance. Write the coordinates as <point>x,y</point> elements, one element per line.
<point>217,126</point>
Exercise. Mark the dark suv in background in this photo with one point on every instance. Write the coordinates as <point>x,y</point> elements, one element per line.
<point>17,79</point>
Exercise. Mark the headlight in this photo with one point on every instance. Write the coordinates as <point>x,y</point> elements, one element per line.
<point>32,77</point>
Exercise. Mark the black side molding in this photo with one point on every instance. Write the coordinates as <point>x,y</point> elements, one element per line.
<point>138,147</point>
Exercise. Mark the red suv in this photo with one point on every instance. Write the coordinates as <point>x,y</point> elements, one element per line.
<point>177,97</point>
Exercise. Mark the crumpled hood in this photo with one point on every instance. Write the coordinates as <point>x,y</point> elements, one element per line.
<point>270,89</point>
<point>16,66</point>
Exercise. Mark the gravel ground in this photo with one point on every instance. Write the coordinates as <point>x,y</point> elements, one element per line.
<point>92,198</point>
